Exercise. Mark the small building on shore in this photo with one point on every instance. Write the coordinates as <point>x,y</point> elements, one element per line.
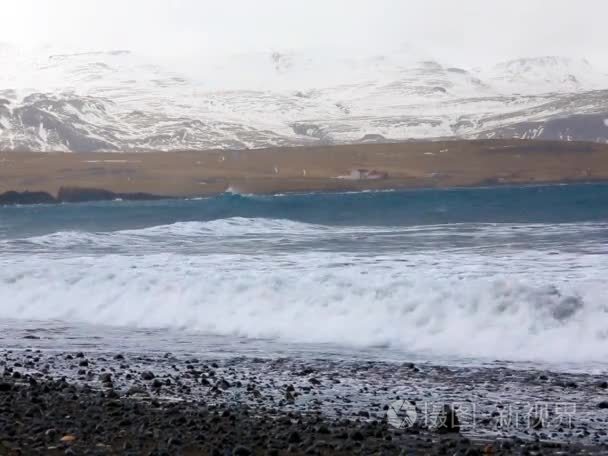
<point>365,174</point>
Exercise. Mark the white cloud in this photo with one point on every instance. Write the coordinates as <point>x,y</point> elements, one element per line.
<point>468,32</point>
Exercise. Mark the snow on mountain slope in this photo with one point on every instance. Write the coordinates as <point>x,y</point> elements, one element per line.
<point>545,74</point>
<point>117,101</point>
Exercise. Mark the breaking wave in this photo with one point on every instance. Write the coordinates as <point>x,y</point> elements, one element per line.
<point>194,234</point>
<point>319,298</point>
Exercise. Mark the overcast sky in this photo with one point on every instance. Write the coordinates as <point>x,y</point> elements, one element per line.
<point>464,32</point>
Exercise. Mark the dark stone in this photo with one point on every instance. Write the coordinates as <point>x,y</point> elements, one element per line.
<point>174,441</point>
<point>603,405</point>
<point>136,390</point>
<point>447,421</point>
<point>305,372</point>
<point>11,198</point>
<point>506,445</point>
<point>241,451</point>
<point>294,437</point>
<point>4,387</point>
<point>147,375</point>
<point>536,423</point>
<point>223,384</point>
<point>357,436</point>
<point>112,394</point>
<point>82,195</point>
<point>323,429</point>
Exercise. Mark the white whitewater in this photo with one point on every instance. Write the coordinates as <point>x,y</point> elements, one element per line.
<point>256,278</point>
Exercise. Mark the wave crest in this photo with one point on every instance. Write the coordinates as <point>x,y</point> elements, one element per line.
<point>352,305</point>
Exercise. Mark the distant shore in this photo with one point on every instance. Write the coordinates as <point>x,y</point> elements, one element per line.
<point>91,176</point>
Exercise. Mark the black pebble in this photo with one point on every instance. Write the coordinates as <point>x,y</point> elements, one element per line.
<point>147,375</point>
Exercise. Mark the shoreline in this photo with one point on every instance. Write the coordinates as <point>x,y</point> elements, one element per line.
<point>89,195</point>
<point>140,403</point>
<point>396,166</point>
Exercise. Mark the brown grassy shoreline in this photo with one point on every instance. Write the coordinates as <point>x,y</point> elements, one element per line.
<point>305,169</point>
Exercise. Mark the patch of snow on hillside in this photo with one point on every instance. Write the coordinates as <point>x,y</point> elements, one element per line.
<point>116,100</point>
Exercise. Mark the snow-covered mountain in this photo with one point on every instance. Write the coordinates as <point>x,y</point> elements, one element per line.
<point>118,101</point>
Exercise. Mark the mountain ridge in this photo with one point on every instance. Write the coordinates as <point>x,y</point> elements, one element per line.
<point>119,101</point>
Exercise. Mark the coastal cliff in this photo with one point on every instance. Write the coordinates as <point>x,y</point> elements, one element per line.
<point>70,195</point>
<point>11,198</point>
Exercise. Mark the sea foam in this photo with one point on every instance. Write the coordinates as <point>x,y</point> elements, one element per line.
<point>518,305</point>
